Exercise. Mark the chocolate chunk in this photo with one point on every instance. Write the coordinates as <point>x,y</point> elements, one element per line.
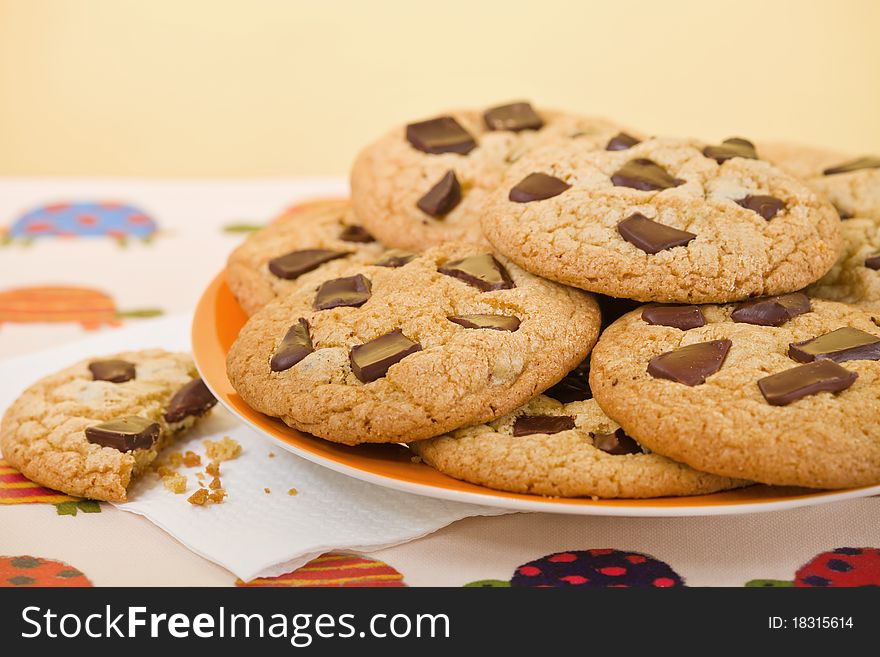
<point>772,311</point>
<point>441,135</point>
<point>854,165</point>
<point>731,148</point>
<point>766,206</point>
<point>537,187</point>
<point>483,272</point>
<point>395,258</point>
<point>125,434</point>
<point>788,386</point>
<point>621,142</point>
<point>514,117</point>
<point>690,365</point>
<point>651,236</point>
<point>297,263</point>
<point>617,443</point>
<point>680,317</point>
<point>843,214</point>
<point>873,261</point>
<point>114,370</point>
<point>371,360</point>
<point>351,291</point>
<point>526,425</point>
<point>442,197</point>
<point>844,344</point>
<point>295,345</point>
<point>496,322</point>
<point>645,175</point>
<point>193,399</point>
<point>356,234</point>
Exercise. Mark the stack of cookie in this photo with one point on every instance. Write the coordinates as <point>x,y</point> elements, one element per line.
<point>456,302</point>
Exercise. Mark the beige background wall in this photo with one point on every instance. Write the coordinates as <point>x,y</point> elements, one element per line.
<point>276,87</point>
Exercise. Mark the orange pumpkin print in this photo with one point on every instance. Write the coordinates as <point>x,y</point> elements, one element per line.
<point>27,571</point>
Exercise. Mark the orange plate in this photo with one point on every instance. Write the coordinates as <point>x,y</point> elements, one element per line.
<point>216,324</point>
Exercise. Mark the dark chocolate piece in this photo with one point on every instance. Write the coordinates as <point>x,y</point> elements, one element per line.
<point>442,197</point>
<point>645,175</point>
<point>651,236</point>
<point>680,317</point>
<point>113,370</point>
<point>371,360</point>
<point>125,434</point>
<point>496,322</point>
<point>854,165</point>
<point>395,258</point>
<point>873,261</point>
<point>798,382</point>
<point>356,234</point>
<point>526,425</point>
<point>193,399</point>
<point>295,345</point>
<point>441,135</point>
<point>483,272</point>
<point>297,263</point>
<point>537,187</point>
<point>351,291</point>
<point>690,365</point>
<point>766,206</point>
<point>621,142</point>
<point>772,311</point>
<point>844,344</point>
<point>617,443</point>
<point>574,387</point>
<point>514,117</point>
<point>731,148</point>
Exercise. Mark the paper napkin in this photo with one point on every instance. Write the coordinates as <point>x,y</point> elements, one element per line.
<point>253,533</point>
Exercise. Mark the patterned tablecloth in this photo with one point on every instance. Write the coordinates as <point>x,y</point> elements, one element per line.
<point>88,255</point>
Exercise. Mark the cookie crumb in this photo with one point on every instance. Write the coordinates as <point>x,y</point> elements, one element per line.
<point>174,460</point>
<point>191,459</point>
<point>267,491</point>
<point>215,483</point>
<point>416,459</point>
<point>213,469</point>
<point>225,449</point>
<point>199,498</point>
<point>292,492</point>
<point>271,455</point>
<point>200,476</point>
<point>165,471</point>
<point>217,496</point>
<point>175,482</point>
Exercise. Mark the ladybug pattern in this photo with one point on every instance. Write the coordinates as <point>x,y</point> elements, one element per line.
<point>599,568</point>
<point>27,571</point>
<point>335,570</point>
<point>117,221</point>
<point>89,307</point>
<point>841,567</point>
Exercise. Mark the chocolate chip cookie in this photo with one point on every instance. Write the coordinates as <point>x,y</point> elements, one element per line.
<point>424,183</point>
<point>565,450</point>
<point>783,390</point>
<point>413,349</point>
<point>855,277</point>
<point>851,183</point>
<point>317,237</point>
<point>92,427</point>
<point>664,220</point>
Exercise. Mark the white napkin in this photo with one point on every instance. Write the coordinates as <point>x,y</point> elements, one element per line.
<point>252,533</point>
